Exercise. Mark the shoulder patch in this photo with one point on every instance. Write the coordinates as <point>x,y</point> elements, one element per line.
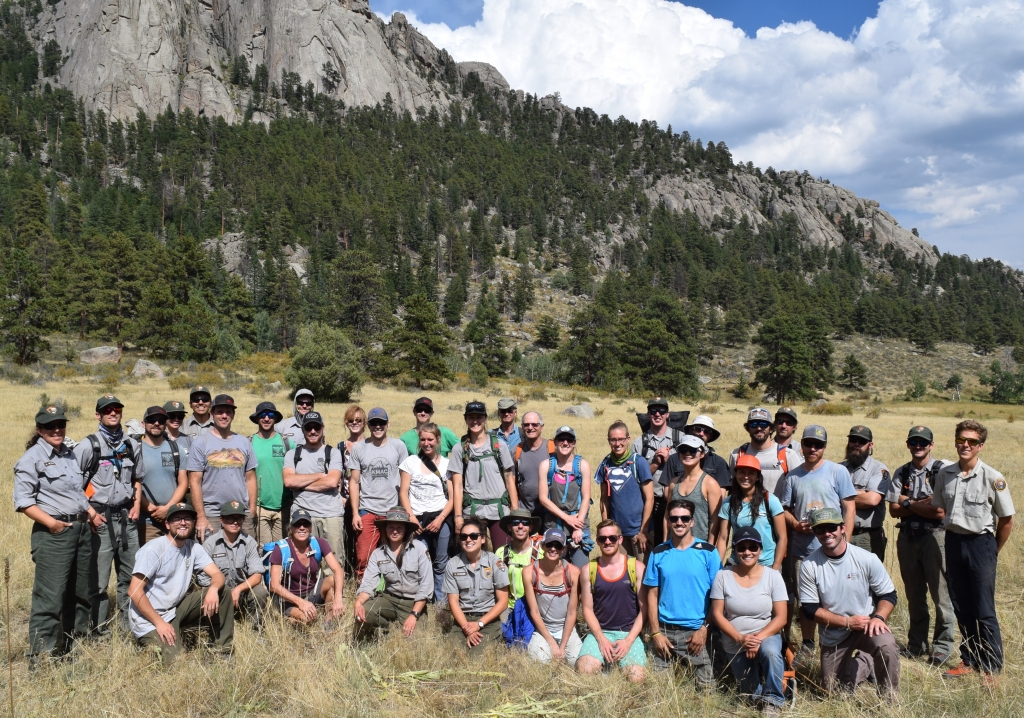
<point>703,545</point>
<point>661,548</point>
<point>500,565</point>
<point>1000,485</point>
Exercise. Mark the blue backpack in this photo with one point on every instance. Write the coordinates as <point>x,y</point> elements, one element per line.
<point>286,556</point>
<point>518,629</point>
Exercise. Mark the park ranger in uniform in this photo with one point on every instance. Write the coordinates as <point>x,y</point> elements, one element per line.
<point>476,582</point>
<point>201,420</point>
<point>238,558</point>
<point>871,479</point>
<point>979,517</point>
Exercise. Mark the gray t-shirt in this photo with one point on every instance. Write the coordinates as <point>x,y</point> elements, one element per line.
<point>168,572</point>
<point>320,504</point>
<point>847,586</point>
<point>481,480</point>
<point>802,491</point>
<point>527,480</point>
<point>872,476</point>
<point>771,466</point>
<point>653,444</point>
<point>378,473</point>
<point>161,479</point>
<point>224,463</point>
<point>748,609</point>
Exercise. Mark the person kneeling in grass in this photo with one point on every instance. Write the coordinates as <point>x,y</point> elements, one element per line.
<point>296,582</point>
<point>552,595</point>
<point>476,582</point>
<point>404,567</point>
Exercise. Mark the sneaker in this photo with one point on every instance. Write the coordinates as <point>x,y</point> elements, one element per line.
<point>961,670</point>
<point>910,654</point>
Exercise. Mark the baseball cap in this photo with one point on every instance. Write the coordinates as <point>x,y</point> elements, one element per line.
<point>786,411</point>
<point>49,415</point>
<point>312,417</point>
<point>921,432</point>
<point>174,407</point>
<point>746,533</point>
<point>759,414</point>
<point>747,461</point>
<point>232,508</point>
<point>861,432</point>
<point>199,390</point>
<point>552,535</point>
<point>475,407</point>
<point>814,431</point>
<point>565,430</point>
<point>826,516</point>
<point>506,403</point>
<point>108,400</point>
<point>376,414</point>
<point>301,515</point>
<point>222,400</point>
<point>705,421</point>
<point>657,401</point>
<point>423,401</point>
<point>304,392</point>
<point>154,411</point>
<point>180,507</point>
<point>693,441</point>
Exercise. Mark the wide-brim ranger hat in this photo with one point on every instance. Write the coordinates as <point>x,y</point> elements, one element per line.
<point>707,423</point>
<point>506,521</point>
<point>265,406</point>
<point>396,515</point>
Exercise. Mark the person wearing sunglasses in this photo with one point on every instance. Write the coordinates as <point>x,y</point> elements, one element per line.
<point>175,420</point>
<point>298,580</point>
<point>748,602</point>
<point>373,483</point>
<point>552,596</point>
<point>678,578</point>
<point>978,520</point>
<point>291,428</point>
<point>237,556</point>
<point>355,423</point>
<point>656,447</point>
<point>564,491</point>
<point>775,460</point>
<point>507,431</point>
<point>817,483</point>
<point>423,412</point>
<point>166,480</point>
<point>201,421</point>
<point>871,479</point>
<point>921,549</point>
<point>627,491</point>
<point>784,428</point>
<point>750,504</point>
<point>523,548</point>
<point>113,466</point>
<point>688,481</point>
<point>270,448</point>
<point>847,591</point>
<point>532,453</point>
<point>476,582</point>
<point>703,427</point>
<point>613,608</point>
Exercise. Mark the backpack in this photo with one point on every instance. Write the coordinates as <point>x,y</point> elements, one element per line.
<point>781,454</point>
<point>676,422</point>
<point>472,503</point>
<point>94,462</point>
<point>519,453</point>
<point>904,474</point>
<point>630,569</point>
<point>494,453</point>
<point>576,474</point>
<point>286,556</point>
<point>327,456</point>
<point>518,629</point>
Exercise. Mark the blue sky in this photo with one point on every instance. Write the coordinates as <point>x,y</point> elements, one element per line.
<point>918,104</point>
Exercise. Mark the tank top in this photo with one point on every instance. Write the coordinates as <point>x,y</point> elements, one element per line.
<point>564,491</point>
<point>701,508</point>
<point>552,608</point>
<point>615,603</point>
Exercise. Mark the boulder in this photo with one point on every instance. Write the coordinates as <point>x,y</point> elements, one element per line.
<point>580,411</point>
<point>274,386</point>
<point>100,355</point>
<point>144,369</point>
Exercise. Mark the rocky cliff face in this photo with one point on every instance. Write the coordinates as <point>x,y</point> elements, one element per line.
<point>130,55</point>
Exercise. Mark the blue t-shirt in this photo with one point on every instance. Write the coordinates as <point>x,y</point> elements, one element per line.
<point>683,578</point>
<point>621,484</point>
<point>803,491</point>
<point>514,439</point>
<point>763,524</point>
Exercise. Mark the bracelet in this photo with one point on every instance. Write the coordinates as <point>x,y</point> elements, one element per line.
<point>847,623</point>
<point>879,617</point>
<point>656,633</point>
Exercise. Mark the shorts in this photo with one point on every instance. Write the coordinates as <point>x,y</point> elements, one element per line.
<point>636,656</point>
<point>539,650</point>
<point>316,597</point>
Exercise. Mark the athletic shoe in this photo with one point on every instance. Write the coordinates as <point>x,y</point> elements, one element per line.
<point>961,670</point>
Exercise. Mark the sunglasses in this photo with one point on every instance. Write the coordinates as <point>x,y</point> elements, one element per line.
<point>232,519</point>
<point>961,440</point>
<point>180,519</point>
<point>200,400</point>
<point>266,415</point>
<point>107,411</point>
<point>747,547</point>
<point>553,546</point>
<point>354,422</point>
<point>531,426</point>
<point>826,529</point>
<point>857,441</point>
<point>812,445</point>
<point>758,424</point>
<point>470,537</point>
<point>176,417</point>
<point>680,519</point>
<point>303,402</point>
<point>608,539</point>
<point>378,424</point>
<point>688,450</point>
<point>698,430</point>
<point>786,421</point>
<point>302,526</point>
<point>316,428</point>
<point>157,422</point>
<point>565,440</point>
<point>520,522</point>
<point>54,425</point>
<point>659,412</point>
<point>918,444</point>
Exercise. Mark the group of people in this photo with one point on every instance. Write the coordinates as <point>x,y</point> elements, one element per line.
<point>713,557</point>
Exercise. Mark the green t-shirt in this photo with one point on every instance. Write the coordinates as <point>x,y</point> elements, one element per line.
<point>269,471</point>
<point>411,439</point>
<point>515,563</point>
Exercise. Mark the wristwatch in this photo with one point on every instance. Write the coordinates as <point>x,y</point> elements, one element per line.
<point>416,613</point>
<point>878,616</point>
<point>481,624</point>
<point>906,503</point>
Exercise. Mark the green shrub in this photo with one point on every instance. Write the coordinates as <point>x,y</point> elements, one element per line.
<point>828,409</point>
<point>477,374</point>
<point>326,362</point>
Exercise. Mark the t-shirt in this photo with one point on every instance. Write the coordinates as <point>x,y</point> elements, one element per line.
<point>655,442</point>
<point>299,579</point>
<point>223,463</point>
<point>168,572</point>
<point>712,464</point>
<point>527,479</point>
<point>683,578</point>
<point>161,479</point>
<point>321,504</point>
<point>847,586</point>
<point>621,484</point>
<point>378,477</point>
<point>771,467</point>
<point>871,476</point>
<point>763,524</point>
<point>514,564</point>
<point>482,479</point>
<point>426,489</point>
<point>411,439</point>
<point>270,464</point>
<point>804,491</point>
<point>748,609</point>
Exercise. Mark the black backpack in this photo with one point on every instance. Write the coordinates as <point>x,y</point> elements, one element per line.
<point>677,421</point>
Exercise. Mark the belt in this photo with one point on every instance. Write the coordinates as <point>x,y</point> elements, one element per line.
<point>674,627</point>
<point>863,530</point>
<point>82,516</point>
<point>921,526</point>
<point>108,512</point>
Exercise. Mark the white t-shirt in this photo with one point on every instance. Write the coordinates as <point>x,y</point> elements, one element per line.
<point>426,492</point>
<point>168,571</point>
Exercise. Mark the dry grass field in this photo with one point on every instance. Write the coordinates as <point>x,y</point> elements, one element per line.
<point>317,672</point>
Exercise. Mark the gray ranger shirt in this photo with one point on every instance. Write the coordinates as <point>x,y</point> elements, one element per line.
<point>191,427</point>
<point>113,483</point>
<point>475,586</point>
<point>413,580</point>
<point>237,561</point>
<point>50,479</point>
<point>871,476</point>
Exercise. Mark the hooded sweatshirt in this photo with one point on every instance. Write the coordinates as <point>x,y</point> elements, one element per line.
<point>292,426</point>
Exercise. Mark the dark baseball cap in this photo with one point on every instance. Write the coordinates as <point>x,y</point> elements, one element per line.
<point>199,390</point>
<point>154,411</point>
<point>180,507</point>
<point>786,411</point>
<point>222,400</point>
<point>475,407</point>
<point>423,401</point>
<point>377,414</point>
<point>108,400</point>
<point>312,417</point>
<point>861,432</point>
<point>232,508</point>
<point>921,432</point>
<point>815,431</point>
<point>746,533</point>
<point>174,407</point>
<point>49,415</point>
<point>657,401</point>
<point>301,515</point>
<point>553,535</point>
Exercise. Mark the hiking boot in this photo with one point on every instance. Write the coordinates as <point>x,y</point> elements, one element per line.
<point>771,710</point>
<point>938,659</point>
<point>910,654</point>
<point>961,670</point>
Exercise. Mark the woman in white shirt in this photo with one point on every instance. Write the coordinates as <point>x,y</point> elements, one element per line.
<point>426,494</point>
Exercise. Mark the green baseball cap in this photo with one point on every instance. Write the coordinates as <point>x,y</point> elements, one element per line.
<point>49,415</point>
<point>232,508</point>
<point>815,431</point>
<point>108,400</point>
<point>506,404</point>
<point>921,432</point>
<point>861,432</point>
<point>181,506</point>
<point>786,411</point>
<point>826,516</point>
<point>175,407</point>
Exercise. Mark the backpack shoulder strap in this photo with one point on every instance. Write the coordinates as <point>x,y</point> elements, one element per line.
<point>176,455</point>
<point>577,474</point>
<point>496,449</point>
<point>286,554</point>
<point>631,570</point>
<point>783,461</point>
<point>593,573</point>
<point>933,471</point>
<point>903,475</point>
<point>298,454</point>
<point>552,465</point>
<point>327,456</point>
<point>315,545</point>
<point>519,453</point>
<point>645,445</point>
<point>94,462</point>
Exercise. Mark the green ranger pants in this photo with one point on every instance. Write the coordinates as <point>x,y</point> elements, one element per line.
<point>189,614</point>
<point>491,634</point>
<point>381,612</point>
<point>104,553</point>
<point>922,560</point>
<point>873,541</point>
<point>60,592</point>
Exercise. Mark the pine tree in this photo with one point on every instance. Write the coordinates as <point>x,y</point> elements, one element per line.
<point>985,337</point>
<point>854,374</point>
<point>27,310</point>
<point>589,356</point>
<point>784,360</point>
<point>157,311</point>
<point>650,357</point>
<point>116,285</point>
<point>196,338</point>
<point>423,342</point>
<point>821,346</point>
<point>524,293</point>
<point>455,300</point>
<point>487,334</point>
<point>325,361</point>
<point>736,327</point>
<point>924,328</point>
<point>547,332</point>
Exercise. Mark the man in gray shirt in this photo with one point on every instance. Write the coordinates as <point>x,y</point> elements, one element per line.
<point>166,480</point>
<point>871,479</point>
<point>657,445</point>
<point>529,455</point>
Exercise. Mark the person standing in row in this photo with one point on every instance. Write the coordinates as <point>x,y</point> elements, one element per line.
<point>507,430</point>
<point>979,518</point>
<point>528,457</point>
<point>627,491</point>
<point>564,490</point>
<point>355,424</point>
<point>921,548</point>
<point>269,448</point>
<point>312,471</point>
<point>201,421</point>
<point>237,556</point>
<point>713,465</point>
<point>481,470</point>
<point>221,468</point>
<point>423,411</point>
<point>373,484</point>
<point>291,428</point>
<point>871,479</point>
<point>48,485</point>
<point>113,466</point>
<point>785,428</point>
<point>687,480</point>
<point>175,419</point>
<point>775,460</point>
<point>749,504</point>
<point>655,446</point>
<point>166,480</point>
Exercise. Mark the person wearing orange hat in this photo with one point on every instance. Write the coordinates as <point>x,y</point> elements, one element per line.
<point>748,503</point>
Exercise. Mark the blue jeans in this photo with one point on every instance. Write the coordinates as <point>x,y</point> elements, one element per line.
<point>437,547</point>
<point>761,677</point>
